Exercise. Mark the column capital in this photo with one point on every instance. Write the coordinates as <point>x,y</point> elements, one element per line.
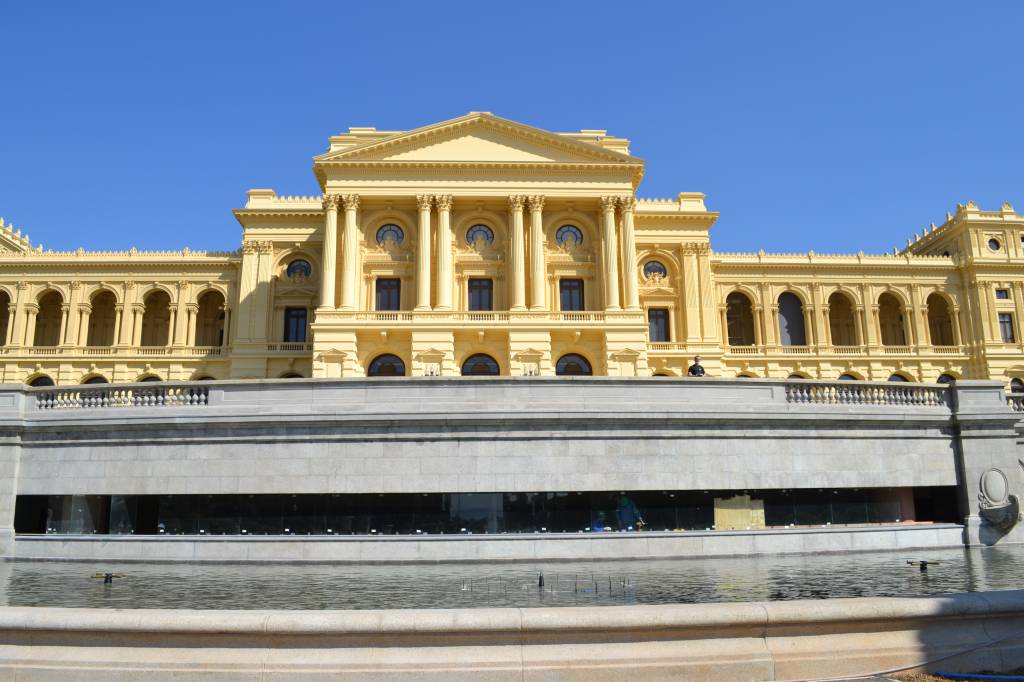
<point>516,201</point>
<point>351,201</point>
<point>536,202</point>
<point>330,201</point>
<point>22,286</point>
<point>443,202</point>
<point>424,201</point>
<point>608,203</point>
<point>627,203</point>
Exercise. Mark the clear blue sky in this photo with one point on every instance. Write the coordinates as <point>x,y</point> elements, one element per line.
<point>813,125</point>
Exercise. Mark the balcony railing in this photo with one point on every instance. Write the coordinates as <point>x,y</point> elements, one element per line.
<point>290,347</point>
<point>476,318</point>
<point>107,351</point>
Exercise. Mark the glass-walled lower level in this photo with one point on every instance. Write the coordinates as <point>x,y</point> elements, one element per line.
<point>447,513</point>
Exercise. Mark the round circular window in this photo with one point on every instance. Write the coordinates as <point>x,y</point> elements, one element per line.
<point>653,267</point>
<point>481,232</point>
<point>568,233</point>
<point>390,232</point>
<point>994,244</point>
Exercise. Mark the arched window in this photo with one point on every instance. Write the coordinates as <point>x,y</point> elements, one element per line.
<point>41,380</point>
<point>739,317</point>
<point>1016,385</point>
<point>940,321</point>
<point>148,379</point>
<point>390,232</point>
<point>386,366</point>
<point>299,268</point>
<point>890,317</point>
<point>480,364</point>
<point>204,378</point>
<point>840,320</point>
<point>796,376</point>
<point>5,314</point>
<point>848,377</point>
<point>97,379</point>
<point>102,320</point>
<point>210,320</point>
<point>898,377</point>
<point>156,320</point>
<point>47,331</point>
<point>573,365</point>
<point>479,232</point>
<point>946,379</point>
<point>568,233</point>
<point>791,320</point>
<point>653,267</point>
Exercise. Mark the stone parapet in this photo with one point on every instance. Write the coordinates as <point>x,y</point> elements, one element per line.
<point>754,641</point>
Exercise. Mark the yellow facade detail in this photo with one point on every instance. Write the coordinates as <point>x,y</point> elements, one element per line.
<point>481,245</point>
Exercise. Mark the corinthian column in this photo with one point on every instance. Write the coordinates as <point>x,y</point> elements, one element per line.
<point>423,253</point>
<point>350,253</point>
<point>538,282</point>
<point>611,252</point>
<point>330,202</point>
<point>518,256</point>
<point>629,274</point>
<point>444,251</point>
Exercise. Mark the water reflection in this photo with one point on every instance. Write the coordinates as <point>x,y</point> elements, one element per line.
<point>282,586</point>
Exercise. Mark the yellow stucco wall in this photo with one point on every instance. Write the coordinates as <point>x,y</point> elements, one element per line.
<point>931,309</point>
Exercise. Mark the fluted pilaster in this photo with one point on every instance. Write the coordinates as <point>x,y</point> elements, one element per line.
<point>350,253</point>
<point>538,280</point>
<point>629,268</point>
<point>611,253</point>
<point>445,273</point>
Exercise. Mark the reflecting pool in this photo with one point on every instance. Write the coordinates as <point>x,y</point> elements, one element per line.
<point>292,586</point>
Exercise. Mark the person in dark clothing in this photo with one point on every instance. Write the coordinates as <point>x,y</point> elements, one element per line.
<point>696,369</point>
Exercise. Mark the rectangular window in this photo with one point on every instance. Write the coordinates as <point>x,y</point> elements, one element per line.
<point>389,294</point>
<point>295,325</point>
<point>1003,294</point>
<point>657,321</point>
<point>571,294</point>
<point>481,294</point>
<point>1006,327</point>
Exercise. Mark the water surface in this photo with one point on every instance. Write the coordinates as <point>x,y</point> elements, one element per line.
<point>678,581</point>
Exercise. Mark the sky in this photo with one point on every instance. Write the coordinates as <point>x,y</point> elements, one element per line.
<point>825,126</point>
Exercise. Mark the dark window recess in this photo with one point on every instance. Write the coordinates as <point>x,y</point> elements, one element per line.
<point>295,325</point>
<point>657,321</point>
<point>570,294</point>
<point>389,294</point>
<point>434,513</point>
<point>481,294</point>
<point>1006,327</point>
<point>1003,294</point>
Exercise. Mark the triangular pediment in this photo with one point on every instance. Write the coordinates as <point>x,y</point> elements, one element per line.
<point>479,138</point>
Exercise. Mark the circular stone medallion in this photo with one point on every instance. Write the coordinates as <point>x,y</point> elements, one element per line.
<point>994,486</point>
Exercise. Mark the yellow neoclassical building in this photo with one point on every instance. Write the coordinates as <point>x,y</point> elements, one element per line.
<point>484,246</point>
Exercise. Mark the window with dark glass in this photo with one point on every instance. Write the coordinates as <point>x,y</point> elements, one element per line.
<point>389,294</point>
<point>570,294</point>
<point>481,294</point>
<point>1003,294</point>
<point>1006,327</point>
<point>295,325</point>
<point>386,366</point>
<point>657,321</point>
<point>572,364</point>
<point>480,365</point>
<point>299,268</point>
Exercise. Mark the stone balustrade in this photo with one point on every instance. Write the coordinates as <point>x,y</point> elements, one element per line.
<point>866,393</point>
<point>81,397</point>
